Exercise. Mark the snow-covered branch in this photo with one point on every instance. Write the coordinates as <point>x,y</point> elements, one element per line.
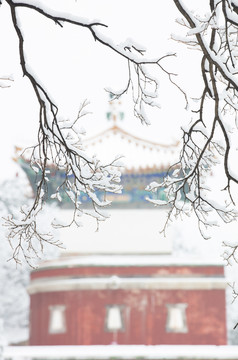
<point>60,142</point>
<point>144,85</point>
<point>209,139</point>
<point>60,145</point>
<point>5,81</point>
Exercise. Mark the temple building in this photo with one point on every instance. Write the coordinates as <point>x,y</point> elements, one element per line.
<point>123,285</point>
<point>127,300</point>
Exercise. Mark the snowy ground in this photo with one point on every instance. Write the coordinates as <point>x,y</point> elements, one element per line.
<point>129,352</point>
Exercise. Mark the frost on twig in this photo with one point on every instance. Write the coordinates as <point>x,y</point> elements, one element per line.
<point>144,87</point>
<point>143,82</point>
<point>60,145</point>
<point>187,190</point>
<point>207,139</point>
<point>25,237</point>
<point>234,294</point>
<point>210,138</point>
<point>230,254</point>
<point>28,238</point>
<point>5,81</point>
<point>59,142</point>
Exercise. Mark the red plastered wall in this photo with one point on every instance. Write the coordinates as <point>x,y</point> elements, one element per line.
<point>144,314</point>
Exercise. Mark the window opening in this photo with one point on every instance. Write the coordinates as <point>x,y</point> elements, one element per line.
<point>114,318</point>
<point>176,318</point>
<point>57,323</point>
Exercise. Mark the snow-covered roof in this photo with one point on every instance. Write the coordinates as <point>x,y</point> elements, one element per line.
<point>138,232</point>
<point>52,284</point>
<point>127,260</point>
<point>136,152</point>
<point>182,352</point>
<point>125,232</point>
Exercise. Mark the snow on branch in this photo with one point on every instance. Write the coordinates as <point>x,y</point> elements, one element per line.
<point>206,141</point>
<point>59,142</point>
<point>60,145</point>
<point>209,139</point>
<point>5,81</point>
<point>144,85</point>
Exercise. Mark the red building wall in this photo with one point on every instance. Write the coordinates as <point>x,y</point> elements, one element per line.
<point>144,313</point>
<point>129,271</point>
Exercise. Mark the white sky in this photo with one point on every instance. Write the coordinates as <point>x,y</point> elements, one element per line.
<point>75,68</point>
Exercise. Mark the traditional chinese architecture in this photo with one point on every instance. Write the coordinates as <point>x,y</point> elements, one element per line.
<point>123,285</point>
<point>121,299</point>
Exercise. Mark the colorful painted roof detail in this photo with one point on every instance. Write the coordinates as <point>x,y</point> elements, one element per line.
<point>144,162</point>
